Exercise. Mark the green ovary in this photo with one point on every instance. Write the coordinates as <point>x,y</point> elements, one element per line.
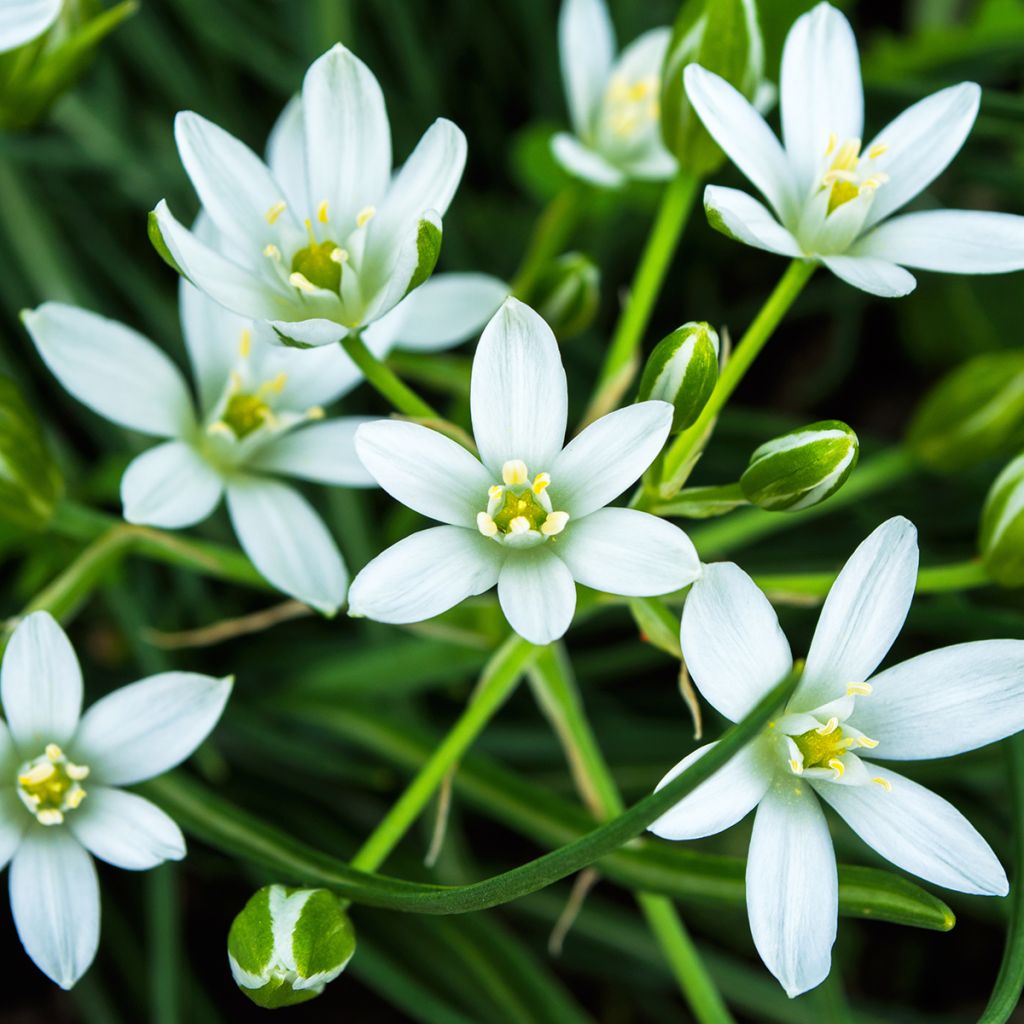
<point>818,750</point>
<point>245,414</point>
<point>315,264</point>
<point>516,505</point>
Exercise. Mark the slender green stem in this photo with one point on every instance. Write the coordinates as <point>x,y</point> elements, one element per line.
<point>556,690</point>
<point>935,579</point>
<point>499,679</point>
<point>550,234</point>
<point>385,381</point>
<point>163,928</point>
<point>217,822</point>
<point>621,360</point>
<point>686,445</point>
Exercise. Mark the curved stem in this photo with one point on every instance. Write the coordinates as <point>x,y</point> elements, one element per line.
<point>385,381</point>
<point>550,233</point>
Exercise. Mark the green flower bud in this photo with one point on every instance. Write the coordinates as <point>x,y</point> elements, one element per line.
<point>567,294</point>
<point>1002,526</point>
<point>287,944</point>
<point>34,75</point>
<point>972,414</point>
<point>723,36</point>
<point>801,468</point>
<point>683,370</point>
<point>30,482</point>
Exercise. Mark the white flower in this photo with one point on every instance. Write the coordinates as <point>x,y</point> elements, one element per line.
<point>260,414</point>
<point>324,240</point>
<point>831,195</point>
<point>613,104</point>
<point>942,703</point>
<point>21,21</point>
<point>528,515</point>
<point>60,773</point>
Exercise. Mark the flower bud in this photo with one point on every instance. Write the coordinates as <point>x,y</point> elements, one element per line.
<point>568,293</point>
<point>683,370</point>
<point>1002,526</point>
<point>972,414</point>
<point>30,482</point>
<point>287,944</point>
<point>801,468</point>
<point>723,36</point>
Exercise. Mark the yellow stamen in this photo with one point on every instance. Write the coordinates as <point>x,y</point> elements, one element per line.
<point>321,213</point>
<point>829,727</point>
<point>301,282</point>
<point>272,252</point>
<point>837,766</point>
<point>795,766</point>
<point>859,690</point>
<point>340,255</point>
<point>51,816</point>
<point>245,343</point>
<point>315,412</point>
<point>541,482</point>
<point>75,797</point>
<point>833,141</point>
<point>365,215</point>
<point>867,741</point>
<point>877,150</point>
<point>519,525</point>
<point>486,525</point>
<point>76,772</point>
<point>515,473</point>
<point>53,752</point>
<point>275,211</point>
<point>37,774</point>
<point>554,524</point>
<point>884,783</point>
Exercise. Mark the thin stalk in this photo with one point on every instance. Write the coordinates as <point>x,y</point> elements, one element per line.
<point>163,934</point>
<point>684,448</point>
<point>550,234</point>
<point>621,359</point>
<point>385,381</point>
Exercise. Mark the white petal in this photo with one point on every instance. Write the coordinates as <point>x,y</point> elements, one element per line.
<point>922,141</point>
<point>950,241</point>
<point>625,551</point>
<point>112,369</point>
<point>792,887</point>
<point>447,309</point>
<point>862,615</point>
<point>586,47</point>
<point>125,830</point>
<point>41,684</point>
<point>234,185</point>
<point>610,455</point>
<point>743,218</point>
<point>584,163</point>
<point>744,135</point>
<point>287,541</point>
<point>312,333</point>
<point>820,88</point>
<point>731,639</point>
<point>918,831</point>
<point>170,486</point>
<point>348,139</point>
<point>518,395</point>
<point>720,801</point>
<point>655,163</point>
<point>537,594</point>
<point>14,819</point>
<point>286,156</point>
<point>24,20</point>
<point>146,728</point>
<point>324,453</point>
<point>313,377</point>
<point>425,574</point>
<point>425,470</point>
<point>876,277</point>
<point>946,701</point>
<point>55,899</point>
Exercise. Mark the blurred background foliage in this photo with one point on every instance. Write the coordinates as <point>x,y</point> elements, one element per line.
<point>329,718</point>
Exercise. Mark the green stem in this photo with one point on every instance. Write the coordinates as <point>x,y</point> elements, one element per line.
<point>550,234</point>
<point>556,690</point>
<point>497,682</point>
<point>936,579</point>
<point>163,928</point>
<point>684,448</point>
<point>217,822</point>
<point>384,380</point>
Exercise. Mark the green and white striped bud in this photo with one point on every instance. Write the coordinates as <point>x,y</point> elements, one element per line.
<point>972,414</point>
<point>801,468</point>
<point>287,944</point>
<point>683,370</point>
<point>1002,526</point>
<point>568,293</point>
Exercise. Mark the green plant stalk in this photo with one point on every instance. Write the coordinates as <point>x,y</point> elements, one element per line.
<point>164,938</point>
<point>219,823</point>
<point>619,364</point>
<point>556,690</point>
<point>550,234</point>
<point>385,381</point>
<point>497,682</point>
<point>684,448</point>
<point>935,579</point>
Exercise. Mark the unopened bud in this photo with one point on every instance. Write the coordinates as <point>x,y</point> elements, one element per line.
<point>801,468</point>
<point>683,370</point>
<point>1002,526</point>
<point>568,293</point>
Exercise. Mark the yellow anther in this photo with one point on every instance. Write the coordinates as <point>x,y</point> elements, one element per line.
<point>51,816</point>
<point>486,525</point>
<point>276,385</point>
<point>301,282</point>
<point>829,727</point>
<point>519,525</point>
<point>272,252</point>
<point>37,774</point>
<point>76,772</point>
<point>833,141</point>
<point>641,89</point>
<point>315,412</point>
<point>859,690</point>
<point>220,427</point>
<point>884,783</point>
<point>795,766</point>
<point>837,766</point>
<point>846,158</point>
<point>554,524</point>
<point>495,492</point>
<point>365,215</point>
<point>339,256</point>
<point>53,752</point>
<point>75,797</point>
<point>321,213</point>
<point>867,741</point>
<point>245,343</point>
<point>541,482</point>
<point>877,150</point>
<point>515,473</point>
<point>275,211</point>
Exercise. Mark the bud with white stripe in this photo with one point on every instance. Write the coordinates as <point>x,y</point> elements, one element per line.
<point>1002,526</point>
<point>683,370</point>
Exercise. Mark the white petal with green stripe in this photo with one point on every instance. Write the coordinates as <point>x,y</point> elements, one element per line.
<point>683,370</point>
<point>1002,526</point>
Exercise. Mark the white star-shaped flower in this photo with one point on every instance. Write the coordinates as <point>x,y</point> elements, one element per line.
<point>831,196</point>
<point>528,515</point>
<point>21,21</point>
<point>613,104</point>
<point>61,773</point>
<point>824,744</point>
<point>325,240</point>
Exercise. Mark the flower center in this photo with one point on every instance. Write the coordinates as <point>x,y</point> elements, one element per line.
<point>519,512</point>
<point>50,785</point>
<point>848,174</point>
<point>632,105</point>
<point>822,746</point>
<point>245,414</point>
